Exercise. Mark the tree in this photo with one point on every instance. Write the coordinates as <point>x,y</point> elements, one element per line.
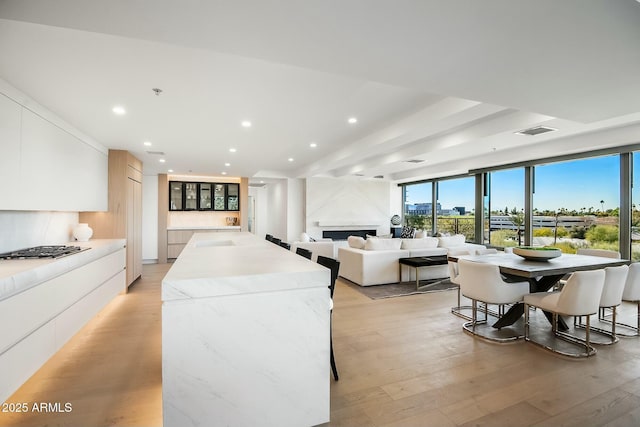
<point>518,220</point>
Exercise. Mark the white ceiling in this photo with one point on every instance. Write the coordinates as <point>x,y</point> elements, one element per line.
<point>444,81</point>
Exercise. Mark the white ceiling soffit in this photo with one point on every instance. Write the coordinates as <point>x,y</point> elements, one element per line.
<point>411,66</point>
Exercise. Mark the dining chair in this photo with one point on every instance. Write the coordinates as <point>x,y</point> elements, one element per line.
<point>482,282</point>
<point>453,278</point>
<point>304,252</point>
<point>334,266</point>
<point>598,252</point>
<point>631,294</point>
<point>580,296</point>
<point>615,279</point>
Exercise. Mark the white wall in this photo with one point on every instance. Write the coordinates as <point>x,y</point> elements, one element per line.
<point>296,209</point>
<point>346,204</point>
<point>261,201</point>
<point>150,218</point>
<point>276,218</point>
<point>21,229</point>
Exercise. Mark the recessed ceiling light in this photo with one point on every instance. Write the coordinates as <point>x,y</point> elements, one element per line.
<point>170,170</point>
<point>261,182</point>
<point>147,143</point>
<point>232,150</point>
<point>119,110</point>
<point>352,120</point>
<point>162,160</point>
<point>246,124</point>
<point>313,145</point>
<point>290,159</point>
<point>224,173</point>
<point>227,164</point>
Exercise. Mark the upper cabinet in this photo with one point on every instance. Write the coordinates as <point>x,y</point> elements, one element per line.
<point>45,167</point>
<point>203,196</point>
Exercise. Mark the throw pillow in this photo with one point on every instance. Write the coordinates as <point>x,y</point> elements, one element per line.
<point>407,233</point>
<point>355,242</point>
<point>451,241</point>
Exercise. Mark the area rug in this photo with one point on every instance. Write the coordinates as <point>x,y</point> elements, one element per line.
<point>398,289</point>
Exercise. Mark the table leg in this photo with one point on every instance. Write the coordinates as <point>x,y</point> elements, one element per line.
<point>516,311</point>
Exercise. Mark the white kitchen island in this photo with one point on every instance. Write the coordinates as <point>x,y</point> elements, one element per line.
<point>245,335</point>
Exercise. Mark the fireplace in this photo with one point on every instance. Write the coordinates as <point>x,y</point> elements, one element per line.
<point>343,234</point>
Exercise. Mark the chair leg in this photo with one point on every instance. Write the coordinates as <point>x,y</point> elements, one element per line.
<point>333,360</point>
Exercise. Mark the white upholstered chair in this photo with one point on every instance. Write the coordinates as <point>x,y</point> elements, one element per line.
<point>631,294</point>
<point>580,296</point>
<point>453,278</point>
<point>615,279</point>
<point>481,282</point>
<point>599,252</point>
<point>486,251</point>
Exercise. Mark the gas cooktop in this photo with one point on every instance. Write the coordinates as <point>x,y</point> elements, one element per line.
<point>55,251</point>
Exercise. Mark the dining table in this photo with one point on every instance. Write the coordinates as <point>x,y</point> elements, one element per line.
<point>542,275</point>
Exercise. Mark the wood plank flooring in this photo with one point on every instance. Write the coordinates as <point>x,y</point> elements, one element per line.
<point>402,362</point>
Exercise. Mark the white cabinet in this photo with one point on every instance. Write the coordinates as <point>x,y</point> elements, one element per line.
<point>10,113</point>
<point>44,167</point>
<point>44,317</point>
<point>58,171</point>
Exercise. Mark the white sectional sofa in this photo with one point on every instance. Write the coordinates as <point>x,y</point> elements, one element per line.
<point>375,261</point>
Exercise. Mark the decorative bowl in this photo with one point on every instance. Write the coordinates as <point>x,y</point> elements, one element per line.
<point>535,253</point>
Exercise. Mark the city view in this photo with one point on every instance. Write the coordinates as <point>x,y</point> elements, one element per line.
<point>575,205</point>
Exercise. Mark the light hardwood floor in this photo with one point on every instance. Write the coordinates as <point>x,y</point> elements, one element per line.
<point>402,362</point>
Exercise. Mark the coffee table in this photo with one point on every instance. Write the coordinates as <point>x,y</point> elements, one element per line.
<point>420,262</point>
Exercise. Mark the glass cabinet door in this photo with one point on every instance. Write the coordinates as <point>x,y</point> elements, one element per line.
<point>233,192</point>
<point>175,196</point>
<point>205,196</point>
<point>219,195</point>
<point>191,196</point>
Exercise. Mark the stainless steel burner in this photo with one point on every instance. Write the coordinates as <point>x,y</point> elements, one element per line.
<point>55,251</point>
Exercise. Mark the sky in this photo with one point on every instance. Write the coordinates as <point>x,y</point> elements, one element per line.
<point>571,185</point>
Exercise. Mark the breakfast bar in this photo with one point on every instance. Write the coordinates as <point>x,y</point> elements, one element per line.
<point>245,335</point>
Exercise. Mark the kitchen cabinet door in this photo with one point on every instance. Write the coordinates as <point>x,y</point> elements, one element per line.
<point>10,114</point>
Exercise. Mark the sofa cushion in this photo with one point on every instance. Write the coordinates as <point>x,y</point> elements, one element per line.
<point>382,244</point>
<point>427,242</point>
<point>451,241</point>
<point>355,242</point>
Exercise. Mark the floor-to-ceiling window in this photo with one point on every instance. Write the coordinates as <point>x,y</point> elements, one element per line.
<point>576,204</point>
<point>418,210</point>
<point>456,206</point>
<point>635,209</point>
<point>506,206</point>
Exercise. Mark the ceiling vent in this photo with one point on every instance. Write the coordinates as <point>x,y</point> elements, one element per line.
<point>379,176</point>
<point>257,185</point>
<point>414,161</point>
<point>536,130</point>
<point>156,153</point>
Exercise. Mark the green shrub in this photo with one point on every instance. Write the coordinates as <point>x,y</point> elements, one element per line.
<point>504,238</point>
<point>565,247</point>
<point>542,232</point>
<point>602,233</point>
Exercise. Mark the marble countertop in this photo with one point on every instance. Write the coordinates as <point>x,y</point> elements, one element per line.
<point>19,275</point>
<point>206,227</point>
<point>233,263</point>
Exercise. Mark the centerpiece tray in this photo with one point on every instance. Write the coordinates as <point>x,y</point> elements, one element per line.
<point>536,253</point>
